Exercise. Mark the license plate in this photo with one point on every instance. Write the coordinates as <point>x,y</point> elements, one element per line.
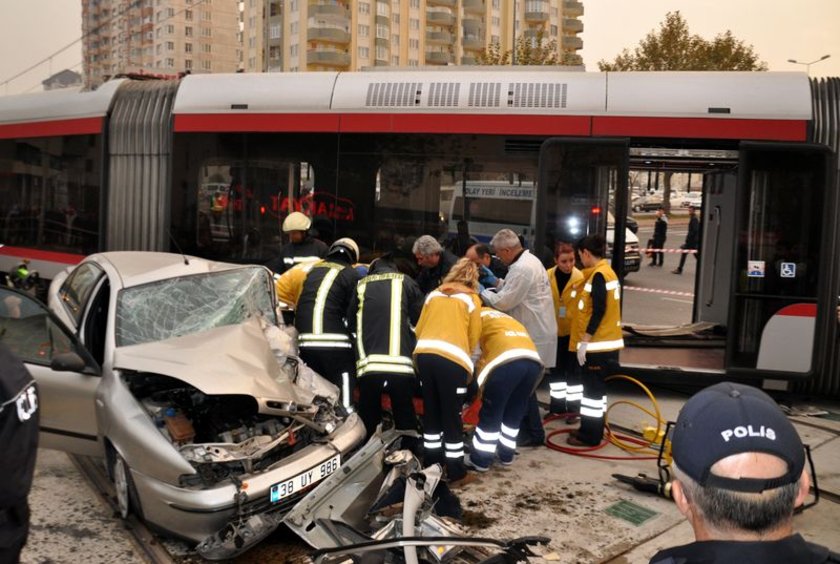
<point>303,480</point>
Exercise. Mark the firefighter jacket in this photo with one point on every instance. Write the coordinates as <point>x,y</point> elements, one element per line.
<point>321,312</point>
<point>308,250</point>
<point>290,284</point>
<point>383,309</point>
<point>450,324</point>
<point>19,415</point>
<point>608,335</point>
<point>503,339</point>
<point>525,294</point>
<point>565,303</point>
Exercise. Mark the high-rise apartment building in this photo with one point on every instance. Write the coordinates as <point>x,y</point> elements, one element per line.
<point>308,35</point>
<point>159,37</point>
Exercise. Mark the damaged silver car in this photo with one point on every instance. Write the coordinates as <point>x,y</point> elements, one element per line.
<point>175,371</point>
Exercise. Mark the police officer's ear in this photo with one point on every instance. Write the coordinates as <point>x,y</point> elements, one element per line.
<point>682,501</point>
<point>804,487</point>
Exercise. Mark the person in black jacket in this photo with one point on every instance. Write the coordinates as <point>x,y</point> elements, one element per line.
<point>19,417</point>
<point>692,238</point>
<point>320,318</point>
<point>382,311</point>
<point>434,261</point>
<point>660,234</point>
<point>301,246</point>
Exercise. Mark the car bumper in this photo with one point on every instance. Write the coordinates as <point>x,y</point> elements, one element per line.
<point>195,514</point>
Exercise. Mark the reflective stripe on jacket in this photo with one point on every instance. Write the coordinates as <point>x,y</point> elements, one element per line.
<point>608,335</point>
<point>565,303</point>
<point>321,312</point>
<point>450,324</point>
<point>503,339</point>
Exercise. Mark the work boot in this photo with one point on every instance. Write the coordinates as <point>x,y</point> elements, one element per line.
<point>470,463</point>
<point>677,271</point>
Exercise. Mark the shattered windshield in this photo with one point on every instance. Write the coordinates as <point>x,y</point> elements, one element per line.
<point>191,304</point>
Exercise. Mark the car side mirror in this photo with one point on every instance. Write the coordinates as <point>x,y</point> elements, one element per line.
<point>68,362</point>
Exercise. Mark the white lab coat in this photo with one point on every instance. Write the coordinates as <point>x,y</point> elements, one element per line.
<point>525,295</point>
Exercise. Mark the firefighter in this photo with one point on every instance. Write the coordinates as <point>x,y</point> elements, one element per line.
<point>447,333</point>
<point>596,337</point>
<point>508,370</point>
<point>19,416</point>
<point>320,318</point>
<point>565,388</point>
<point>301,246</point>
<point>385,306</point>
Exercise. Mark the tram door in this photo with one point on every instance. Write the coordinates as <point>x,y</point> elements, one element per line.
<point>780,271</point>
<point>580,181</point>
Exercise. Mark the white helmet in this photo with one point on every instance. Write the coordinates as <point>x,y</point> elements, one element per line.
<point>348,244</point>
<point>296,221</point>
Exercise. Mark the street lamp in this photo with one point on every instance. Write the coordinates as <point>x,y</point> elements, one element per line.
<point>808,65</point>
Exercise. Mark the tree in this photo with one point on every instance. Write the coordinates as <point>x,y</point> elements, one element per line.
<point>675,48</point>
<point>534,50</point>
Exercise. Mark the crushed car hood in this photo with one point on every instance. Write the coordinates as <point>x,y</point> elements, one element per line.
<point>235,359</point>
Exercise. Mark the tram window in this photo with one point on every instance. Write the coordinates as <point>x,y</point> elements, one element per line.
<point>50,196</point>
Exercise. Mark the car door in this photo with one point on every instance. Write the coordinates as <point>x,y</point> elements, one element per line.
<point>66,374</point>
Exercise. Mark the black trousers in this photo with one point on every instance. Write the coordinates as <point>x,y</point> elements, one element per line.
<point>565,388</point>
<point>399,387</point>
<point>593,407</point>
<point>444,389</point>
<point>14,528</point>
<point>684,255</point>
<point>336,365</point>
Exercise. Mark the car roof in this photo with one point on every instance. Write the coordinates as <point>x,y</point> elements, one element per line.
<point>141,267</point>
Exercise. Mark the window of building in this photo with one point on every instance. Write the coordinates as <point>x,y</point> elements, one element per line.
<point>206,65</point>
<point>395,18</point>
<point>206,47</point>
<point>413,23</point>
<point>395,60</point>
<point>170,12</point>
<point>187,47</point>
<point>252,42</point>
<point>170,29</point>
<point>274,52</point>
<point>157,33</point>
<point>293,50</point>
<point>206,32</point>
<point>364,30</point>
<point>382,53</point>
<point>158,49</point>
<point>188,64</point>
<point>364,52</point>
<point>382,9</point>
<point>293,28</point>
<point>382,31</point>
<point>364,7</point>
<point>205,15</point>
<point>395,41</point>
<point>554,31</point>
<point>294,5</point>
<point>414,4</point>
<point>252,62</point>
<point>170,63</point>
<point>188,15</point>
<point>274,31</point>
<point>158,16</point>
<point>188,31</point>
<point>413,43</point>
<point>496,21</point>
<point>413,63</point>
<point>496,4</point>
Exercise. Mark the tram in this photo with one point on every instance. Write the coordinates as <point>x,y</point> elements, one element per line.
<point>210,165</point>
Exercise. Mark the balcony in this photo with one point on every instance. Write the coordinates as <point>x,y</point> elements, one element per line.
<point>572,9</point>
<point>328,58</point>
<point>380,63</point>
<point>438,37</point>
<point>474,7</point>
<point>329,10</point>
<point>569,59</point>
<point>440,18</point>
<point>447,3</point>
<point>438,58</point>
<point>471,24</point>
<point>473,43</point>
<point>536,16</point>
<point>383,20</point>
<point>328,34</point>
<point>570,43</point>
<point>571,25</point>
<point>383,42</point>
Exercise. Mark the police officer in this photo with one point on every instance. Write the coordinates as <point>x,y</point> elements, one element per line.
<point>321,317</point>
<point>385,306</point>
<point>507,370</point>
<point>565,388</point>
<point>19,444</point>
<point>301,246</point>
<point>596,337</point>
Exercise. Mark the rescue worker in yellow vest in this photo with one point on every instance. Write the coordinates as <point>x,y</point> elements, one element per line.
<point>288,287</point>
<point>507,370</point>
<point>447,333</point>
<point>596,337</point>
<point>564,384</point>
<point>320,318</point>
<point>383,309</point>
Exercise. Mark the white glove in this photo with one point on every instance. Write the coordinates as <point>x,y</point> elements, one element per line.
<point>581,353</point>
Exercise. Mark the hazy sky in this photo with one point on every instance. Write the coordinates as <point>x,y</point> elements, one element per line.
<point>32,30</point>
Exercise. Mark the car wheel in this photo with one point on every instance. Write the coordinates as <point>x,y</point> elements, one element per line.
<point>127,501</point>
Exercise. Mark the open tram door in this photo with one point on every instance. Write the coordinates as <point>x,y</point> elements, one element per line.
<point>781,319</point>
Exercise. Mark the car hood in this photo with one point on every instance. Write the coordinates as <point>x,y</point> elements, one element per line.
<point>235,359</point>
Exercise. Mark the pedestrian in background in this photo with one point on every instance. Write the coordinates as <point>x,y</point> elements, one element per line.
<point>692,239</point>
<point>660,234</point>
<point>565,388</point>
<point>321,317</point>
<point>739,473</point>
<point>525,294</point>
<point>596,337</point>
<point>384,307</point>
<point>434,262</point>
<point>19,417</point>
<point>507,373</point>
<point>447,334</point>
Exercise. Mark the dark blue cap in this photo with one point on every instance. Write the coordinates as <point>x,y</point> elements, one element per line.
<point>727,419</point>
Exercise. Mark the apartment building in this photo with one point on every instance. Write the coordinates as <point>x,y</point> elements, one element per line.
<point>159,37</point>
<point>310,35</point>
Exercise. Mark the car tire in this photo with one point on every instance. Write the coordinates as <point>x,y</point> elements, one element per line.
<point>127,499</point>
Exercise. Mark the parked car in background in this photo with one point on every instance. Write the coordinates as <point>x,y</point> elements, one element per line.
<point>648,202</point>
<point>632,254</point>
<point>692,199</point>
<point>168,366</point>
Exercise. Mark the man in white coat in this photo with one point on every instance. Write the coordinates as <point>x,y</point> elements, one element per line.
<point>525,295</point>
